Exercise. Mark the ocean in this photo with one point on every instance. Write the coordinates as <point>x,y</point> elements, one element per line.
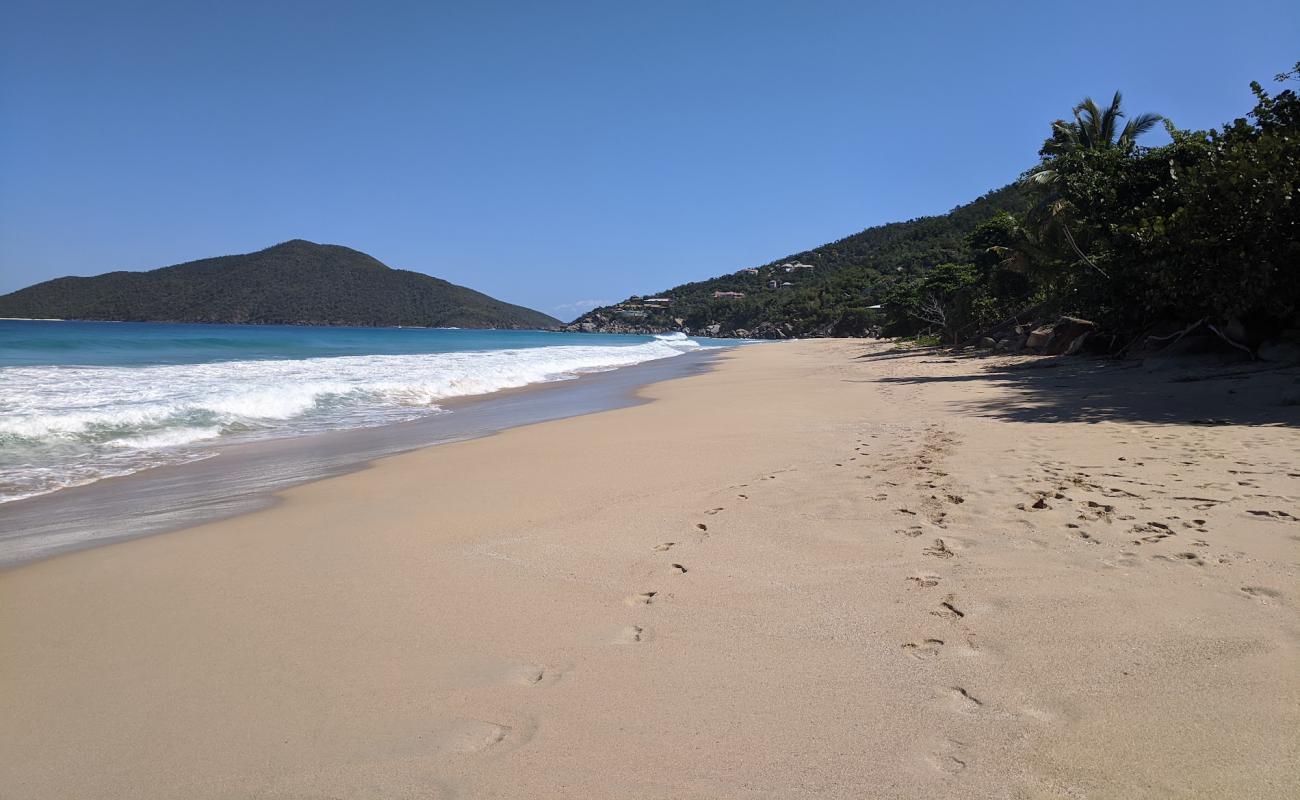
<point>81,402</point>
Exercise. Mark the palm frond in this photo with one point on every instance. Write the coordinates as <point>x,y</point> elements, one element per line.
<point>1138,126</point>
<point>1109,119</point>
<point>1041,177</point>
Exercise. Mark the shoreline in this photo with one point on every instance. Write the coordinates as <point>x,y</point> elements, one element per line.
<point>828,569</point>
<point>243,477</point>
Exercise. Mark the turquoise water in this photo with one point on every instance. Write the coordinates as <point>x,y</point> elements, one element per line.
<point>41,343</point>
<point>82,401</point>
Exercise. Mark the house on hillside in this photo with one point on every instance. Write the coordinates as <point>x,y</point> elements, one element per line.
<point>794,266</point>
<point>728,295</point>
<point>658,302</point>
<point>748,271</point>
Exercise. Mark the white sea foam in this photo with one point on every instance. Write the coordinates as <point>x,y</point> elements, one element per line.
<point>65,425</point>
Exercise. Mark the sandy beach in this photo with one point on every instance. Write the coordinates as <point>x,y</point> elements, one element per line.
<point>827,568</point>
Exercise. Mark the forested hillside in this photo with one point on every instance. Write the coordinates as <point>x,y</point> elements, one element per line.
<point>296,282</point>
<point>847,276</point>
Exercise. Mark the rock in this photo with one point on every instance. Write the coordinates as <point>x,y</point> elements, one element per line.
<point>766,330</point>
<point>741,333</point>
<point>987,344</point>
<point>1039,337</point>
<point>1068,335</point>
<point>1280,351</point>
<point>1004,345</point>
<point>587,327</point>
<point>713,330</point>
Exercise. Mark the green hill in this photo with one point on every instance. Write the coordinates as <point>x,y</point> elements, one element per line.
<point>830,299</point>
<point>294,283</point>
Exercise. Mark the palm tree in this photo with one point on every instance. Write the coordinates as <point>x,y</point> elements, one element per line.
<point>1093,129</point>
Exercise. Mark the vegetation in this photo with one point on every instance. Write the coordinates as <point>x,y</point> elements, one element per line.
<point>296,282</point>
<point>834,297</point>
<point>1203,230</point>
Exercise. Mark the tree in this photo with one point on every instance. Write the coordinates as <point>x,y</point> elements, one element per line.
<point>1094,129</point>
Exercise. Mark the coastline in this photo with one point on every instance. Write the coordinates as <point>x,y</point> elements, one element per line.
<point>826,569</point>
<point>243,477</point>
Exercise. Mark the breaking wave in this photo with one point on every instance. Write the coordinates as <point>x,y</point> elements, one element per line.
<point>67,425</point>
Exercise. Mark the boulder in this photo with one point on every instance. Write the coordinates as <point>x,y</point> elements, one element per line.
<point>987,344</point>
<point>1280,351</point>
<point>713,330</point>
<point>1068,335</point>
<point>1039,338</point>
<point>587,327</point>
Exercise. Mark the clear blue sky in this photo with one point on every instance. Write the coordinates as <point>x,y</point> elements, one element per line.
<point>556,153</point>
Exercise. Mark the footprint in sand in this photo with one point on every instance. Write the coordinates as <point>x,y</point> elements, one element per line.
<point>1186,557</point>
<point>471,736</point>
<point>664,547</point>
<point>701,526</point>
<point>1272,514</point>
<point>938,550</point>
<point>947,610</point>
<point>923,650</point>
<point>925,581</point>
<point>911,531</point>
<point>527,675</point>
<point>631,634</point>
<point>950,759</point>
<point>533,675</point>
<point>1261,593</point>
<point>713,511</point>
<point>642,599</point>
<point>679,568</point>
<point>963,700</point>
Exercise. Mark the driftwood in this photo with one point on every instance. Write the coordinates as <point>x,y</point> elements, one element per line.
<point>1237,345</point>
<point>1178,335</point>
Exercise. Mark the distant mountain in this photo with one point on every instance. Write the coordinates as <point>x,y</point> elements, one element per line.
<point>825,291</point>
<point>294,283</point>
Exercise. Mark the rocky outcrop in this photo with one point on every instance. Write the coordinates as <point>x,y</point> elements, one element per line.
<point>1065,336</point>
<point>604,323</point>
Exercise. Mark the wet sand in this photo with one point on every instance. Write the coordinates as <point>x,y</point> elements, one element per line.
<point>824,569</point>
<point>244,477</point>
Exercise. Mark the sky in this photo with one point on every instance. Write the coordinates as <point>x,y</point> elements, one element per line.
<point>561,155</point>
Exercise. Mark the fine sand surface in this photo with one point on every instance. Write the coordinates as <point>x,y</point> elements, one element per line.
<point>826,569</point>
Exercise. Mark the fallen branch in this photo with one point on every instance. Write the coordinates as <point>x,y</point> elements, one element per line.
<point>1235,344</point>
<point>1177,336</point>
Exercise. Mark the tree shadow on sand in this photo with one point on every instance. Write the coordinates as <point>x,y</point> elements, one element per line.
<point>1199,391</point>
